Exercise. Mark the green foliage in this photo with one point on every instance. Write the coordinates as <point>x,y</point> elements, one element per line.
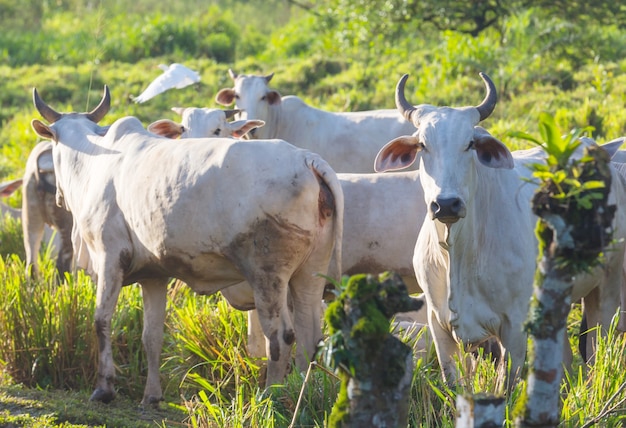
<point>560,171</point>
<point>43,325</point>
<point>209,337</point>
<point>597,396</point>
<point>11,237</point>
<point>573,191</point>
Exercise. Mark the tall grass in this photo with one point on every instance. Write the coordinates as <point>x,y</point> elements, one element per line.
<point>48,342</point>
<point>47,328</point>
<point>599,396</point>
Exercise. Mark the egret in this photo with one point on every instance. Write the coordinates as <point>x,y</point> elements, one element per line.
<point>174,76</point>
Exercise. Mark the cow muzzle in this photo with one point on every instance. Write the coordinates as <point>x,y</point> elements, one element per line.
<point>447,210</point>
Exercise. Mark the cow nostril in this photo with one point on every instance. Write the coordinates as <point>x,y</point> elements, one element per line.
<point>434,207</point>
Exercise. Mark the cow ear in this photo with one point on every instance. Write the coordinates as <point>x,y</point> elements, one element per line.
<point>273,97</point>
<point>239,128</point>
<point>399,153</point>
<point>179,110</point>
<point>225,96</point>
<point>491,152</point>
<point>6,189</point>
<point>166,128</point>
<point>43,130</point>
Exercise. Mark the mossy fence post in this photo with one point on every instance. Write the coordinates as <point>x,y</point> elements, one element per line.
<point>375,367</point>
<point>574,227</point>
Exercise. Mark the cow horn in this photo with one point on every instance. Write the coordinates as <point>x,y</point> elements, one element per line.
<point>405,108</point>
<point>44,109</point>
<point>101,109</point>
<point>269,77</point>
<point>489,103</point>
<point>232,74</point>
<point>231,113</point>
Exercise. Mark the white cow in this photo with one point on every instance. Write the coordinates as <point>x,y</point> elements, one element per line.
<point>213,213</point>
<point>476,251</point>
<point>50,237</point>
<point>368,245</point>
<point>39,209</point>
<point>203,122</point>
<point>348,141</point>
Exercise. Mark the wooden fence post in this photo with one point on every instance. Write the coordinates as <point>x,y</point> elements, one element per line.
<point>479,411</point>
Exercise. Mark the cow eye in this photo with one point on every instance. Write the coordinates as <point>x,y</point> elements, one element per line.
<point>236,96</point>
<point>217,131</point>
<point>470,146</point>
<point>264,97</point>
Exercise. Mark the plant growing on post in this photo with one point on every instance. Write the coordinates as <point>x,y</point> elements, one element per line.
<point>375,367</point>
<point>573,229</point>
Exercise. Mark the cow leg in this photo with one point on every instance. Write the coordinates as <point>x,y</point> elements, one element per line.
<point>306,292</point>
<point>65,257</point>
<point>446,348</point>
<point>513,340</point>
<point>256,340</point>
<point>599,311</point>
<point>32,226</point>
<point>108,291</point>
<point>568,356</point>
<point>271,304</point>
<point>154,294</point>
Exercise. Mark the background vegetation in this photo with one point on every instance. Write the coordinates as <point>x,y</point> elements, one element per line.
<point>565,58</point>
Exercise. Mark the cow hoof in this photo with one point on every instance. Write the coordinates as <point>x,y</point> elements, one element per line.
<point>151,401</point>
<point>103,396</point>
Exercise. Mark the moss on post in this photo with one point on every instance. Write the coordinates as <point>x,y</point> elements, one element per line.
<point>374,366</point>
<point>574,227</point>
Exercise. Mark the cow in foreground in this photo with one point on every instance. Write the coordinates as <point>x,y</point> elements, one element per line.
<point>369,245</point>
<point>213,213</point>
<point>476,251</point>
<point>348,141</point>
<point>39,209</point>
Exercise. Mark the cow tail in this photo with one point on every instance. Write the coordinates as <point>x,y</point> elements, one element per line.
<point>328,176</point>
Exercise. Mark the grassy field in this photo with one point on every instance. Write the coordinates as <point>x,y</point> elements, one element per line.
<point>70,49</point>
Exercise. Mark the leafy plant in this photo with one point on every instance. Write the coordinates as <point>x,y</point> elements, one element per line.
<point>559,150</point>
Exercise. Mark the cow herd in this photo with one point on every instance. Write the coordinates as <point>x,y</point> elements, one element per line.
<point>305,195</point>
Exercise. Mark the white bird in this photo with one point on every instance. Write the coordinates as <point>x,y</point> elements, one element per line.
<point>174,76</point>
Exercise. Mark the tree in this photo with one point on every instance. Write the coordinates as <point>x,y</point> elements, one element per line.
<point>365,18</point>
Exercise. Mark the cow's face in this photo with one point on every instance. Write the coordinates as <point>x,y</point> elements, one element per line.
<point>68,127</point>
<point>251,95</point>
<point>448,144</point>
<point>203,122</point>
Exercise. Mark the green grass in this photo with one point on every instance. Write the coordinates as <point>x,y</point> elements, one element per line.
<point>20,406</point>
<point>48,364</point>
